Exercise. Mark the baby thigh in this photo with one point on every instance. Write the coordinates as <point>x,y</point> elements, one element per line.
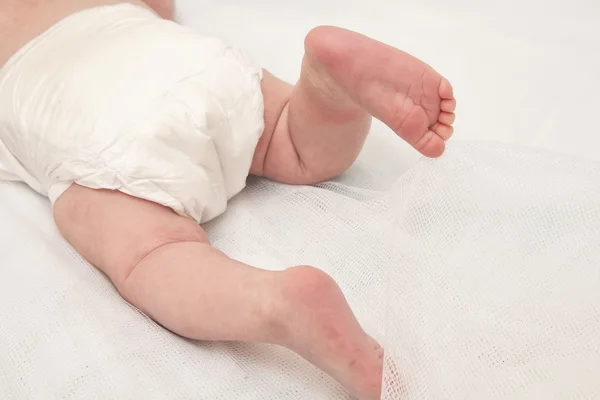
<point>115,231</point>
<point>163,264</point>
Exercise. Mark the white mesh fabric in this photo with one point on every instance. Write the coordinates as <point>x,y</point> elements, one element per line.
<point>494,278</point>
<point>479,272</point>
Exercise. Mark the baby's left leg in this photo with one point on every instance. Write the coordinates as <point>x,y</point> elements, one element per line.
<point>315,129</point>
<point>163,264</point>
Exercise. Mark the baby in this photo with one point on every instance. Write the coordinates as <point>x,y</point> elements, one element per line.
<point>139,221</point>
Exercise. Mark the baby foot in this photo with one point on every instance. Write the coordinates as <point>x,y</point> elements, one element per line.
<point>320,326</point>
<point>393,86</point>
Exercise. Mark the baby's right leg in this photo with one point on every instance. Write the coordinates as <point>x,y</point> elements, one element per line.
<point>163,264</point>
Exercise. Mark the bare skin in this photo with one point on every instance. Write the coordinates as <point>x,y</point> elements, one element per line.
<point>163,263</point>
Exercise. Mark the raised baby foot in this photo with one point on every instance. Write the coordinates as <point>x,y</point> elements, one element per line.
<point>393,86</point>
<point>319,325</point>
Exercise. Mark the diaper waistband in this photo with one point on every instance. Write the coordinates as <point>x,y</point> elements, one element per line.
<point>87,20</point>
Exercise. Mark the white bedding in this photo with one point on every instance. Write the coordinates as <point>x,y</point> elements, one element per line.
<point>479,272</point>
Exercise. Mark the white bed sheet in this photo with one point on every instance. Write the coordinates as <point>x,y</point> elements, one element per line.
<point>524,72</point>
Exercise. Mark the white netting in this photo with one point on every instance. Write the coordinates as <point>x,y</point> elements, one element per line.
<point>479,272</point>
<point>494,285</point>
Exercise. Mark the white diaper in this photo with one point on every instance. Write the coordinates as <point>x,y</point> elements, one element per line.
<point>116,98</point>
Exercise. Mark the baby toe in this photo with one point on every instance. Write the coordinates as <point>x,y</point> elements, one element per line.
<point>446,118</point>
<point>442,130</point>
<point>448,105</point>
<point>431,145</point>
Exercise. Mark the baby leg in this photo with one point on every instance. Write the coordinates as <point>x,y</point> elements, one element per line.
<point>163,264</point>
<point>315,130</point>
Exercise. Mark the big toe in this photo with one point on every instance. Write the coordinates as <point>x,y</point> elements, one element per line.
<point>431,145</point>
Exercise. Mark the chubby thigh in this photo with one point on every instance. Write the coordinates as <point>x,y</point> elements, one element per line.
<point>117,98</point>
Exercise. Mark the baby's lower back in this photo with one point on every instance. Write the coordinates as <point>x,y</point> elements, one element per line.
<point>21,21</point>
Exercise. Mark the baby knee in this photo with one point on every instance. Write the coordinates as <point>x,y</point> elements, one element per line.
<point>152,239</point>
<point>115,232</point>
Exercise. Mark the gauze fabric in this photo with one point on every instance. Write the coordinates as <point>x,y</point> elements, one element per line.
<point>117,98</point>
<point>479,272</point>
